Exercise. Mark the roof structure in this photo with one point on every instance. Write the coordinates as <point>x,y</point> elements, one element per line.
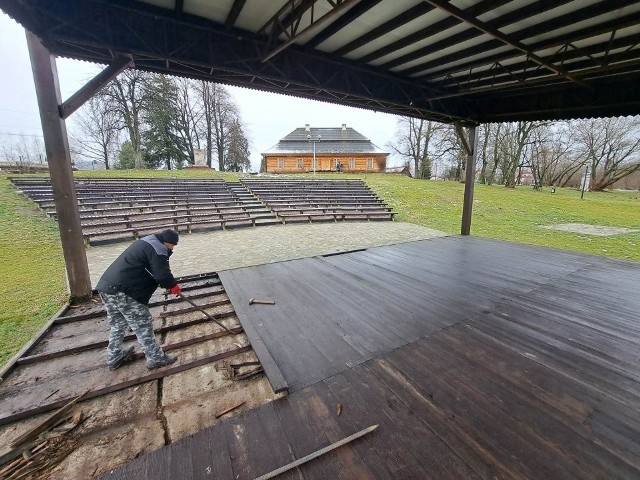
<point>327,140</point>
<point>472,61</point>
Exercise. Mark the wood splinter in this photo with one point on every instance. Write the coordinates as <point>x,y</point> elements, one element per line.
<point>230,409</point>
<point>316,454</point>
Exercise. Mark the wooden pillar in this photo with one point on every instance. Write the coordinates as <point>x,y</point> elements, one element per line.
<point>469,141</point>
<point>45,76</point>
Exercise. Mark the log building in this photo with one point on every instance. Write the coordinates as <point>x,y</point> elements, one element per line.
<point>336,150</point>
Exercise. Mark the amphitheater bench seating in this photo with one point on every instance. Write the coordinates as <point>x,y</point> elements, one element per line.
<point>121,209</point>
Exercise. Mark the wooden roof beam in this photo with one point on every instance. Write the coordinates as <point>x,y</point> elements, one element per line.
<point>234,13</point>
<point>460,14</point>
<point>316,26</point>
<point>79,98</point>
<point>431,30</point>
<point>294,9</point>
<point>360,9</point>
<point>606,27</point>
<point>396,22</point>
<point>587,61</point>
<point>178,9</point>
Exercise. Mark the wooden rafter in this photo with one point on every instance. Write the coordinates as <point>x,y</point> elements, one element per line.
<point>482,26</point>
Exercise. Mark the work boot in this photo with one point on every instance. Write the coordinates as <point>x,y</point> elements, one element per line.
<point>124,358</point>
<point>162,362</point>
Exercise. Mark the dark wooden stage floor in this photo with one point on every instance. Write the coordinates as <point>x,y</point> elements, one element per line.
<point>477,358</point>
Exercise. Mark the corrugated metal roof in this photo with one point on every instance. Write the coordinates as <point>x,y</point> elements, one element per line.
<point>459,60</point>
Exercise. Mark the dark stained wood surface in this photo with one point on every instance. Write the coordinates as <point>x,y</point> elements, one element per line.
<point>477,358</point>
<point>335,312</point>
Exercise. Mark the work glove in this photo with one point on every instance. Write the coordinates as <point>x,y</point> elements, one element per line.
<point>176,290</point>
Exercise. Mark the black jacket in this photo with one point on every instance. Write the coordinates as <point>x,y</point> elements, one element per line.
<point>139,270</point>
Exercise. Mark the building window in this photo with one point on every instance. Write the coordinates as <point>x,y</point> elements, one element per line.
<point>300,164</point>
<point>369,163</point>
<point>337,165</point>
<point>281,163</point>
<point>352,164</point>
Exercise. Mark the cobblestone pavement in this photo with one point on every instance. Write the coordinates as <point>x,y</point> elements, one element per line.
<point>226,249</point>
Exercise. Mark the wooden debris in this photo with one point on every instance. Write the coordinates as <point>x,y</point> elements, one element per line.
<point>248,375</point>
<point>37,457</point>
<point>230,409</point>
<point>339,409</point>
<point>49,455</point>
<point>42,447</point>
<point>233,370</point>
<point>48,423</point>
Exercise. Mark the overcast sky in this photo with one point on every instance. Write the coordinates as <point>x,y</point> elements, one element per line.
<point>268,117</point>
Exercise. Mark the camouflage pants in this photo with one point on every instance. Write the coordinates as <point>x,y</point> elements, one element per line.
<point>123,310</point>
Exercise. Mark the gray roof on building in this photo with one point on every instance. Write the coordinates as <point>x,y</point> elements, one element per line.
<point>332,140</point>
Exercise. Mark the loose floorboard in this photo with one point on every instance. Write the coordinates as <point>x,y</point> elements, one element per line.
<point>478,359</point>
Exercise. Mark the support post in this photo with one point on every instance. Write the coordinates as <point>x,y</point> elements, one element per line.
<point>45,76</point>
<point>469,142</point>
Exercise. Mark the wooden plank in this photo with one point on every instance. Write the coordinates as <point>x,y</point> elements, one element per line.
<point>103,343</point>
<point>47,423</point>
<point>310,423</point>
<point>11,364</point>
<point>493,417</point>
<point>28,411</point>
<point>527,388</point>
<point>256,443</point>
<point>314,455</point>
<point>460,441</point>
<point>556,355</point>
<point>240,304</point>
<point>153,303</point>
<point>408,448</point>
<point>209,453</point>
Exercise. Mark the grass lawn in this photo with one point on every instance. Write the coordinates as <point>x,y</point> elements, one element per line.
<point>518,214</point>
<point>32,267</point>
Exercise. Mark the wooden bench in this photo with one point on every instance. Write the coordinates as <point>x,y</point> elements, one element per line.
<point>337,216</point>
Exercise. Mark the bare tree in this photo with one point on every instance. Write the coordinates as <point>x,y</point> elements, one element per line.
<point>224,112</point>
<point>611,148</point>
<point>204,91</point>
<point>127,94</point>
<point>219,112</point>
<point>191,114</point>
<point>514,141</point>
<point>97,130</point>
<point>553,161</point>
<point>489,150</point>
<point>23,150</point>
<point>420,142</point>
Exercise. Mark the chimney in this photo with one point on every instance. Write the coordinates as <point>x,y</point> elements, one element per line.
<point>307,127</point>
<point>344,127</point>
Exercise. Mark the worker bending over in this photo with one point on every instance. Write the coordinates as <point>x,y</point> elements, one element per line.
<point>125,289</point>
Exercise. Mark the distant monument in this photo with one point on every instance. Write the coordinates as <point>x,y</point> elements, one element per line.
<point>200,157</point>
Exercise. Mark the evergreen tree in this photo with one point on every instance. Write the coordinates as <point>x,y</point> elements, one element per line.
<point>237,154</point>
<point>163,144</point>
